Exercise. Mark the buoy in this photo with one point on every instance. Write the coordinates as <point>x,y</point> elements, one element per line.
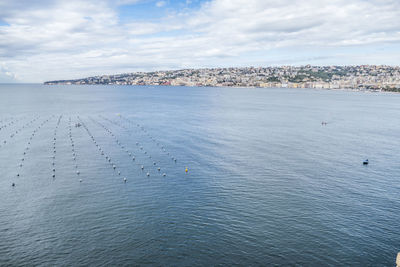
<point>186,170</point>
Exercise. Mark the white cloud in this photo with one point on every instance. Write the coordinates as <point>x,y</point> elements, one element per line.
<point>161,3</point>
<point>6,75</point>
<point>70,39</point>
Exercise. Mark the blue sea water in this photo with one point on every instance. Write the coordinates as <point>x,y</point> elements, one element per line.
<point>267,184</point>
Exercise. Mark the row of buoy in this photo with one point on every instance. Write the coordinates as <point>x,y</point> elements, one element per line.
<point>174,159</point>
<point>138,148</point>
<point>19,130</point>
<point>74,154</point>
<point>54,147</point>
<point>137,143</point>
<point>8,124</point>
<point>127,151</point>
<point>27,148</point>
<point>102,152</point>
<point>154,140</point>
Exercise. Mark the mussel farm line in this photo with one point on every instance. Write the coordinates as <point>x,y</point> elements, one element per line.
<point>154,140</point>
<point>28,146</point>
<point>100,149</point>
<point>55,147</point>
<point>24,126</point>
<point>144,151</point>
<point>130,155</point>
<point>130,132</point>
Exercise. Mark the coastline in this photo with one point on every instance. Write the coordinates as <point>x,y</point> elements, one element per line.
<point>236,87</point>
<point>356,78</point>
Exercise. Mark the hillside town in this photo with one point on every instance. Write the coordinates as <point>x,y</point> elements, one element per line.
<point>363,77</point>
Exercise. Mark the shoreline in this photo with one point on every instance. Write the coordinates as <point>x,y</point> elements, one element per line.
<point>235,87</point>
<point>357,78</point>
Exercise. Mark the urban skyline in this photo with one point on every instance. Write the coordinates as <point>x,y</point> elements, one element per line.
<point>364,77</point>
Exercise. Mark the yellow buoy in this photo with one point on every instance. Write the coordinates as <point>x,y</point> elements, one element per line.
<point>186,169</point>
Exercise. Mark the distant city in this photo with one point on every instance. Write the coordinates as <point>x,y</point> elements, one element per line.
<point>364,77</point>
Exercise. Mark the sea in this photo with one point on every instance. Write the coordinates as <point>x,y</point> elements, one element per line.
<point>197,176</point>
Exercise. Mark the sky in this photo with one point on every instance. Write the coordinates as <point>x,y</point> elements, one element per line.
<point>43,40</point>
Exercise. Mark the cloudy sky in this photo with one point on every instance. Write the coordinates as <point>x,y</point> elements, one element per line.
<point>64,39</point>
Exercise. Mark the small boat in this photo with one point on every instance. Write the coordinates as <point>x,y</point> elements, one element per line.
<point>365,162</point>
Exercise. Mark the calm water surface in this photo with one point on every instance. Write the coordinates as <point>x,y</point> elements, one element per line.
<point>267,184</point>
